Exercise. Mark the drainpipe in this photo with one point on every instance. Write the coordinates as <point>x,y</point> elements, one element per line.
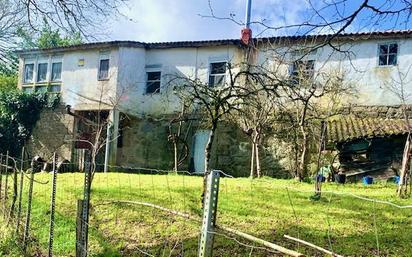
<point>248,11</point>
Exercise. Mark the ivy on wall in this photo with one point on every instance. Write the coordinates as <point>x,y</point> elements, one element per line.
<point>19,113</point>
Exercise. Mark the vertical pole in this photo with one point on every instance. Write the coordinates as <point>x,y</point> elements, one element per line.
<point>6,185</point>
<point>14,199</point>
<point>248,11</point>
<point>209,214</point>
<point>20,191</point>
<point>86,203</point>
<point>52,205</point>
<point>107,148</point>
<point>79,228</point>
<point>35,167</point>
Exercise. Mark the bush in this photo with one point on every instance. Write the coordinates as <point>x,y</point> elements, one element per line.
<point>19,113</point>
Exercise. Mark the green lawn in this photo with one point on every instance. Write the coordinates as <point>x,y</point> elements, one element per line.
<point>266,208</point>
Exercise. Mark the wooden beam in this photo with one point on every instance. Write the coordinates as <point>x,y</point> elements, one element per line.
<point>262,242</point>
<point>225,229</point>
<point>313,246</point>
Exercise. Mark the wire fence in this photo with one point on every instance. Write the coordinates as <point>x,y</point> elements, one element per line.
<point>150,212</point>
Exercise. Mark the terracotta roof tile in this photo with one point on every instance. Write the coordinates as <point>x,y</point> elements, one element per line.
<point>350,127</point>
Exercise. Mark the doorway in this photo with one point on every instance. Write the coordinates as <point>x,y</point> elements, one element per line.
<point>200,140</point>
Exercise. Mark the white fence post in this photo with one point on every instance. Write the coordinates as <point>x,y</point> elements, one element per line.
<point>209,214</point>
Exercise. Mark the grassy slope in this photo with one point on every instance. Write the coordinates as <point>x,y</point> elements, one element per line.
<point>261,207</point>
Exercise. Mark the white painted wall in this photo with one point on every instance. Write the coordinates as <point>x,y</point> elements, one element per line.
<point>128,66</point>
<point>374,83</point>
<point>177,62</point>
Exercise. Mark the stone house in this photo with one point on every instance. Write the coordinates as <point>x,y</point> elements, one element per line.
<point>132,76</point>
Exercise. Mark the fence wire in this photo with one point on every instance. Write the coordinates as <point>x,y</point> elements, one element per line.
<point>152,212</point>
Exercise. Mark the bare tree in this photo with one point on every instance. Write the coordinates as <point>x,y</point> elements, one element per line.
<point>397,84</point>
<point>256,118</point>
<point>84,16</point>
<point>178,137</point>
<point>11,19</point>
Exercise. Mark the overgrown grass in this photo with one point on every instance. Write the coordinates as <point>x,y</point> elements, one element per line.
<point>266,208</point>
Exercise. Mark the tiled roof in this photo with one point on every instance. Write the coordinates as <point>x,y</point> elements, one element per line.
<point>349,127</point>
<point>237,42</point>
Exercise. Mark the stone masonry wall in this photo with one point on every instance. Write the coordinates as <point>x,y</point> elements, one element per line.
<point>53,132</point>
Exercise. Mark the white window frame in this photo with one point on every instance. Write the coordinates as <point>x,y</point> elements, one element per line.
<point>218,74</point>
<point>397,53</point>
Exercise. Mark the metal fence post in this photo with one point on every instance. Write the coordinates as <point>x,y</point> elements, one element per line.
<point>14,198</point>
<point>209,214</point>
<point>20,191</point>
<point>6,185</point>
<point>35,167</point>
<point>84,221</point>
<point>52,205</point>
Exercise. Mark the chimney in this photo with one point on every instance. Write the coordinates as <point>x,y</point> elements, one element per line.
<point>246,32</point>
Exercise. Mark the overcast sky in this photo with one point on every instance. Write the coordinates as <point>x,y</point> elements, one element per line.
<point>178,20</point>
<point>171,20</point>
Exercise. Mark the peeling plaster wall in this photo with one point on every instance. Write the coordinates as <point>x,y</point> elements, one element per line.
<point>81,87</point>
<point>374,84</point>
<point>173,63</point>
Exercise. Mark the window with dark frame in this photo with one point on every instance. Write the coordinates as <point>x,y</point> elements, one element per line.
<point>56,74</point>
<point>28,72</point>
<point>217,74</point>
<point>153,82</point>
<point>104,69</point>
<point>302,70</point>
<point>42,72</point>
<point>388,54</point>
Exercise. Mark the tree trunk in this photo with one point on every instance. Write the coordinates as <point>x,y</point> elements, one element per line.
<point>208,148</point>
<point>404,176</point>
<point>176,155</point>
<point>252,160</point>
<point>303,156</point>
<point>208,151</point>
<point>257,144</point>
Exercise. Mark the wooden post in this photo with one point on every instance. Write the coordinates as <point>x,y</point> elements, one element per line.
<point>35,167</point>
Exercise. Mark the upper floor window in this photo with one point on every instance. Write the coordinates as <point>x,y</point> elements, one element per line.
<point>104,69</point>
<point>302,70</point>
<point>28,73</point>
<point>217,74</point>
<point>56,74</point>
<point>42,72</point>
<point>153,82</point>
<point>388,54</point>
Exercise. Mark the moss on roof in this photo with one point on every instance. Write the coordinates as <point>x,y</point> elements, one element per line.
<point>349,127</point>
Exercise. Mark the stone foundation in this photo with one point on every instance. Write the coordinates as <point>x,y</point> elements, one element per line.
<point>52,133</point>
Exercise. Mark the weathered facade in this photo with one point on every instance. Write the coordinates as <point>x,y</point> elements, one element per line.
<point>131,79</point>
